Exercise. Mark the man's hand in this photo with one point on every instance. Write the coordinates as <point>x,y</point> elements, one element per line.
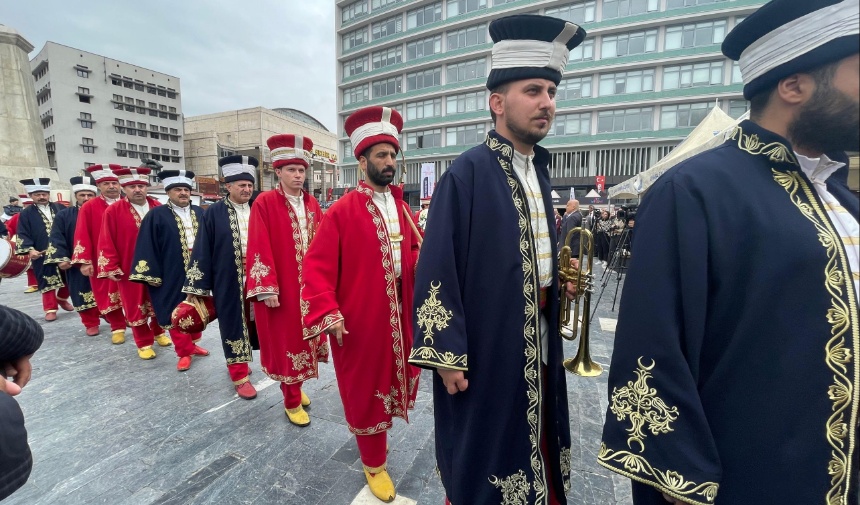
<point>338,330</point>
<point>272,302</point>
<point>65,265</point>
<point>19,370</point>
<point>9,388</point>
<point>115,277</point>
<point>574,262</point>
<point>570,290</point>
<point>87,270</point>
<point>34,254</point>
<point>454,380</point>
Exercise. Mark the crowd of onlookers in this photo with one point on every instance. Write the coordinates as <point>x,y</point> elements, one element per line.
<point>609,229</point>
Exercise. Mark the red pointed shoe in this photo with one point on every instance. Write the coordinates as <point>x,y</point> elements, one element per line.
<point>93,331</point>
<point>50,316</point>
<point>199,351</point>
<point>246,390</point>
<point>184,363</point>
<point>65,305</point>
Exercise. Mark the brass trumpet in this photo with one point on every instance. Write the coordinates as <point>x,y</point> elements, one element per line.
<point>582,278</point>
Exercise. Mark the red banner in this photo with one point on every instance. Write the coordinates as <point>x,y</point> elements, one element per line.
<point>600,182</point>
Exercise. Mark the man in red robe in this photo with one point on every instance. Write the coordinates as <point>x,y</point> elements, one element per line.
<point>360,271</point>
<point>85,249</point>
<point>118,237</point>
<point>283,221</point>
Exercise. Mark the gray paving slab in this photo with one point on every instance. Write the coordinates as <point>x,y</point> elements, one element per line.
<point>106,427</point>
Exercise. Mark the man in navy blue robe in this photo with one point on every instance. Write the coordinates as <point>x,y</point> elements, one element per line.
<point>486,289</point>
<point>34,227</point>
<point>59,253</point>
<point>162,255</point>
<point>734,378</point>
<point>218,268</point>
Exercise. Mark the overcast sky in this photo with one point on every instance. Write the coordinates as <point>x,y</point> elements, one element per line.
<point>228,54</point>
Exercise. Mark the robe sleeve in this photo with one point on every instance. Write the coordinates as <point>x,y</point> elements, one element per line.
<point>198,278</point>
<point>147,264</point>
<point>108,261</point>
<point>83,249</point>
<point>656,431</point>
<point>25,239</point>
<point>261,274</point>
<point>58,247</point>
<point>407,214</point>
<point>320,275</point>
<point>440,339</point>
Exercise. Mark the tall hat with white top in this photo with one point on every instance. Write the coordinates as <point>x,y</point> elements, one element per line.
<point>786,37</point>
<point>288,149</point>
<point>82,183</point>
<point>238,168</point>
<point>35,185</point>
<point>528,46</point>
<point>176,179</point>
<point>373,125</point>
<point>129,176</point>
<point>104,172</point>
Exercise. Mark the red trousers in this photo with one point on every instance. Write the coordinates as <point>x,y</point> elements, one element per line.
<point>373,449</point>
<point>31,278</point>
<point>90,317</point>
<point>115,319</point>
<point>292,394</point>
<point>49,299</point>
<point>144,335</point>
<point>239,372</point>
<point>183,343</point>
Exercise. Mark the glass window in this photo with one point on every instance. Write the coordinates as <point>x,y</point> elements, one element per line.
<point>625,120</point>
<point>355,38</point>
<point>628,43</point>
<point>353,10</point>
<point>737,78</point>
<point>469,36</point>
<point>695,35</point>
<point>579,12</point>
<point>621,8</point>
<point>635,81</point>
<point>466,70</point>
<point>424,15</point>
<point>738,107</point>
<point>424,47</point>
<point>457,7</point>
<point>378,4</point>
<point>683,115</point>
<point>690,76</point>
<point>571,124</point>
<point>424,109</point>
<point>356,94</point>
<point>387,87</point>
<point>677,4</point>
<point>355,67</point>
<point>424,78</point>
<point>386,27</point>
<point>83,73</point>
<point>573,87</point>
<point>466,102</point>
<point>387,57</point>
<point>582,52</point>
<point>464,135</point>
<point>424,139</point>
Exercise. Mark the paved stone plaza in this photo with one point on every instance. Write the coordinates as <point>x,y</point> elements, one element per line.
<point>106,427</point>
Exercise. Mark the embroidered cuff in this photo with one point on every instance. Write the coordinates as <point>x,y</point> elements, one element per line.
<point>428,357</point>
<point>188,290</point>
<point>152,281</point>
<point>262,290</point>
<point>104,275</point>
<point>328,321</point>
<point>53,261</point>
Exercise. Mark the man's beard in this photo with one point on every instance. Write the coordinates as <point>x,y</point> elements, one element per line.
<point>828,123</point>
<point>378,178</point>
<point>525,135</point>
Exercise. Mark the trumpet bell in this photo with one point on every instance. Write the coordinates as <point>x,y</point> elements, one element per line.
<point>582,368</point>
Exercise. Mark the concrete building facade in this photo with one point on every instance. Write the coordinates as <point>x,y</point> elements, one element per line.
<point>647,73</point>
<point>245,131</point>
<point>94,109</point>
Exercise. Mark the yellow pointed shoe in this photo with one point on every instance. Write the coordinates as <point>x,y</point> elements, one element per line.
<point>146,352</point>
<point>117,336</point>
<point>31,289</point>
<point>298,416</point>
<point>163,340</point>
<point>306,401</point>
<point>380,485</point>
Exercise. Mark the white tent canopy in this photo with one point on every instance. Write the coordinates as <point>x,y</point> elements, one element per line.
<point>710,133</point>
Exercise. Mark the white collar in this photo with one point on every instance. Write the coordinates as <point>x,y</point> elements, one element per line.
<point>818,169</point>
<point>183,210</point>
<point>235,205</point>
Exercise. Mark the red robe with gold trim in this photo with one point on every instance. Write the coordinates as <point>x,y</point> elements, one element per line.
<point>349,276</point>
<point>86,244</point>
<point>118,236</point>
<point>274,266</point>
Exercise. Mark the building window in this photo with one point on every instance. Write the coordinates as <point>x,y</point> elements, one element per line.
<point>171,93</point>
<point>353,10</point>
<point>355,67</point>
<point>387,57</point>
<point>424,78</point>
<point>635,81</point>
<point>695,35</point>
<point>738,107</point>
<point>151,89</point>
<point>354,38</point>
<point>573,88</point>
<point>88,165</point>
<point>424,139</point>
<point>677,4</point>
<point>457,7</point>
<point>469,36</point>
<point>683,115</point>
<point>621,8</point>
<point>466,102</point>
<point>88,145</point>
<point>464,135</point>
<point>625,161</point>
<point>571,124</point>
<point>424,47</point>
<point>625,120</point>
<point>138,85</point>
<point>628,43</point>
<point>691,76</point>
<point>466,70</point>
<point>424,15</point>
<point>582,52</point>
<point>115,80</point>
<point>87,141</point>
<point>737,78</point>
<point>48,121</point>
<point>578,12</point>
<point>356,94</point>
<point>386,27</point>
<point>174,131</point>
<point>174,152</point>
<point>44,97</point>
<point>387,87</point>
<point>127,82</point>
<point>83,73</point>
<point>86,120</point>
<point>121,149</point>
<point>378,4</point>
<point>425,109</point>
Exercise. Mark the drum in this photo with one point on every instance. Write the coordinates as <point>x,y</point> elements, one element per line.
<point>11,264</point>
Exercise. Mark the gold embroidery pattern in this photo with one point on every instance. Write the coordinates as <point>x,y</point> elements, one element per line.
<point>114,296</point>
<point>843,319</point>
<point>141,267</point>
<point>328,320</point>
<point>186,250</point>
<point>383,426</point>
<point>300,361</point>
<point>390,403</point>
<point>564,462</point>
<point>432,315</point>
<point>79,249</point>
<point>52,282</point>
<point>669,482</point>
<point>89,300</point>
<point>51,250</point>
<point>534,412</point>
<point>259,269</point>
<point>430,356</point>
<point>102,261</point>
<point>640,403</point>
<point>239,262</point>
<point>240,348</point>
<point>88,297</point>
<point>135,215</point>
<point>776,152</point>
<point>515,489</point>
<point>309,374</point>
<point>194,273</point>
<point>186,322</point>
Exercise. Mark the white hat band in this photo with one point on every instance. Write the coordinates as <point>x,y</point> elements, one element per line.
<point>370,129</point>
<point>83,187</point>
<point>32,188</point>
<point>170,181</point>
<point>231,169</point>
<point>534,53</point>
<point>289,153</point>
